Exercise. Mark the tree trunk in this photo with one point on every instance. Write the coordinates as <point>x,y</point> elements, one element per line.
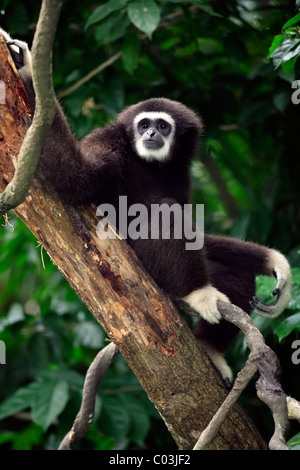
<point>135,313</point>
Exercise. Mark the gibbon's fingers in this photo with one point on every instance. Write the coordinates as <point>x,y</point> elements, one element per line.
<point>279,267</point>
<point>273,309</point>
<point>263,308</point>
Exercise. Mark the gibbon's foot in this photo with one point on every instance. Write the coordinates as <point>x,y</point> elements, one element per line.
<point>204,301</point>
<point>281,271</point>
<point>20,53</point>
<point>220,364</point>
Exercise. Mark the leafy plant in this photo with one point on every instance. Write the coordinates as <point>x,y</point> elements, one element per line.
<point>285,48</point>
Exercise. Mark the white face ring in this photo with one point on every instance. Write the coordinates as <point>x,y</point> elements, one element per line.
<point>150,154</point>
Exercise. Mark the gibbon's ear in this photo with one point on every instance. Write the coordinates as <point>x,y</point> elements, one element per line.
<point>188,134</point>
<point>193,127</point>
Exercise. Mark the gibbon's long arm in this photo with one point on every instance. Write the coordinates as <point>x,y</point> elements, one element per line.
<point>256,259</point>
<point>279,267</point>
<point>69,164</point>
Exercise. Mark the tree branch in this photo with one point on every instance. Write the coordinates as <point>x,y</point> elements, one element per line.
<point>94,375</point>
<point>269,389</point>
<point>293,408</point>
<point>30,151</point>
<point>241,382</point>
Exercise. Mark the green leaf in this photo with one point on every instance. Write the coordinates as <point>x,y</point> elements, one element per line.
<point>140,421</point>
<point>289,66</point>
<point>281,53</point>
<point>114,420</point>
<point>203,4</point>
<point>292,21</point>
<point>89,334</point>
<point>18,401</point>
<point>46,399</point>
<point>265,286</point>
<point>15,315</point>
<point>49,401</point>
<point>111,29</point>
<point>293,53</point>
<point>103,11</point>
<point>287,326</point>
<point>28,437</point>
<point>296,275</point>
<point>130,53</point>
<point>294,303</point>
<point>294,441</point>
<point>144,15</point>
<point>275,43</point>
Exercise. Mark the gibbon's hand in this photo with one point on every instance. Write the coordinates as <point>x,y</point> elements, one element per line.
<point>204,301</point>
<point>281,270</point>
<point>20,54</point>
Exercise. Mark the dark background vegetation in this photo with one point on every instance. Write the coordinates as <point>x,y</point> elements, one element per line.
<point>212,56</point>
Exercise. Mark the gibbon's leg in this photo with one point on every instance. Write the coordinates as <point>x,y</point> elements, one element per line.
<point>216,339</point>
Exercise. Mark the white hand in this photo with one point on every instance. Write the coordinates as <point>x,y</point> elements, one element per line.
<point>204,301</point>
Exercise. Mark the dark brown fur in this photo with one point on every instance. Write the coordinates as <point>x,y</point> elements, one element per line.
<point>105,165</point>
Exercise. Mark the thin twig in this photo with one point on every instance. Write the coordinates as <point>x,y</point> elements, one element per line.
<point>241,382</point>
<point>93,377</point>
<point>90,75</point>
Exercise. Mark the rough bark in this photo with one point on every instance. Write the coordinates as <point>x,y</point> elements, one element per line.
<point>111,281</point>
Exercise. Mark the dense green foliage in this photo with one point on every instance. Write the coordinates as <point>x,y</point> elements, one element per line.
<point>235,63</point>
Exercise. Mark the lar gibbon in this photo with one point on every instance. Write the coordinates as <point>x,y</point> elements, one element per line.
<point>145,155</point>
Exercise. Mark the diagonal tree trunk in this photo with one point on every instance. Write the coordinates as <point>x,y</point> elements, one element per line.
<point>134,312</point>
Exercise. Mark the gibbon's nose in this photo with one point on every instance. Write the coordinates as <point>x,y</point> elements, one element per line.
<point>151,132</point>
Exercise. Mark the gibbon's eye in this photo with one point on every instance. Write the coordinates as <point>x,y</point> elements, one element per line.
<point>164,127</point>
<point>143,126</point>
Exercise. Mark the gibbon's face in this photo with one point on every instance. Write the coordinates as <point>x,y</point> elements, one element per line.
<point>154,135</point>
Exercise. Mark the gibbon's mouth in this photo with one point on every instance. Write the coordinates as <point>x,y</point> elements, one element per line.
<point>152,144</point>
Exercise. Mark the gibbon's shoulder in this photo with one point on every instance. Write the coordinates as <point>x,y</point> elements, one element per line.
<point>110,140</point>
